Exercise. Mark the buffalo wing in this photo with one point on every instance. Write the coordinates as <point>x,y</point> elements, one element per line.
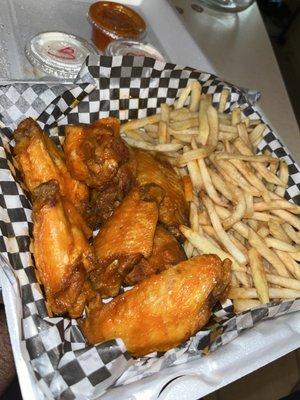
<point>164,310</point>
<point>62,253</point>
<point>40,161</point>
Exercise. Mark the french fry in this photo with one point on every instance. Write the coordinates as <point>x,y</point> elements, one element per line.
<point>259,244</point>
<point>223,187</point>
<point>179,115</point>
<point>207,247</point>
<point>258,275</point>
<point>257,133</point>
<point>158,147</point>
<point>195,96</point>
<point>183,97</point>
<point>191,155</point>
<point>188,188</point>
<point>249,205</point>
<point>255,158</point>
<point>291,265</point>
<point>243,134</point>
<point>290,231</point>
<point>139,123</point>
<point>213,123</point>
<point>263,171</point>
<point>287,217</point>
<point>163,136</point>
<point>289,283</point>
<point>263,231</point>
<point>245,304</point>
<point>223,99</point>
<point>277,232</point>
<point>194,221</point>
<point>274,293</point>
<point>277,205</point>
<point>280,245</point>
<point>208,185</point>
<point>222,235</point>
<point>238,212</point>
<point>284,177</point>
<point>203,120</point>
<point>186,124</point>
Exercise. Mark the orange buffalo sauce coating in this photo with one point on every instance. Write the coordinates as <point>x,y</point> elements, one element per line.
<point>111,21</point>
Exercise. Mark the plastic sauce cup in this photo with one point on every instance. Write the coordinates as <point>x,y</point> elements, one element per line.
<point>111,21</point>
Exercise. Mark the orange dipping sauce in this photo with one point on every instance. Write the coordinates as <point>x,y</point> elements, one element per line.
<point>111,21</point>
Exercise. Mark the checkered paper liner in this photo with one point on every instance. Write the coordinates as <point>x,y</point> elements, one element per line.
<point>124,87</point>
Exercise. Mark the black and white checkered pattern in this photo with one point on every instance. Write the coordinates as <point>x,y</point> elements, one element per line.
<point>125,87</point>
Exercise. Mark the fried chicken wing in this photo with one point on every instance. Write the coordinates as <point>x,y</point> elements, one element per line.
<point>164,310</point>
<point>40,161</point>
<point>173,210</point>
<point>125,237</point>
<point>95,153</point>
<point>62,253</point>
<point>165,253</point>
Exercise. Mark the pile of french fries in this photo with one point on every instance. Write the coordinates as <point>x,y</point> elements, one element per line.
<point>236,197</point>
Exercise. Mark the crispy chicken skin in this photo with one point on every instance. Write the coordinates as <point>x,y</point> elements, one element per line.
<point>173,210</point>
<point>39,161</point>
<point>125,237</point>
<point>62,253</point>
<point>95,153</point>
<point>165,253</point>
<point>164,310</point>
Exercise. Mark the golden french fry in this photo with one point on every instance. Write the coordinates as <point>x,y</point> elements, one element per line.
<point>245,304</point>
<point>203,120</point>
<point>223,99</point>
<point>163,136</point>
<point>243,278</point>
<point>253,223</point>
<point>274,293</point>
<point>257,133</point>
<point>287,217</point>
<point>195,96</point>
<point>243,133</point>
<point>291,265</point>
<point>183,97</point>
<point>228,128</point>
<point>255,158</point>
<point>229,171</point>
<point>238,212</point>
<point>179,115</point>
<point>222,186</point>
<point>259,244</point>
<point>193,155</point>
<point>222,235</point>
<point>277,205</point>
<point>236,116</point>
<point>261,169</point>
<point>284,177</point>
<point>280,245</point>
<point>213,123</point>
<point>277,232</point>
<point>240,227</point>
<point>205,246</point>
<point>208,185</point>
<point>139,123</point>
<point>292,234</point>
<point>203,218</point>
<point>289,283</point>
<point>249,205</point>
<point>186,124</point>
<point>247,172</point>
<point>194,221</point>
<point>164,147</point>
<point>227,135</point>
<point>188,188</point>
<point>258,275</point>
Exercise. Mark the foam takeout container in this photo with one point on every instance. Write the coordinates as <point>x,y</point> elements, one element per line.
<point>52,357</point>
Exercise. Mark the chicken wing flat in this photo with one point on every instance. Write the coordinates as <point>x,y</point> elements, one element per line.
<point>125,238</point>
<point>95,153</point>
<point>173,210</point>
<point>164,310</point>
<point>62,253</point>
<point>165,253</point>
<point>40,161</point>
